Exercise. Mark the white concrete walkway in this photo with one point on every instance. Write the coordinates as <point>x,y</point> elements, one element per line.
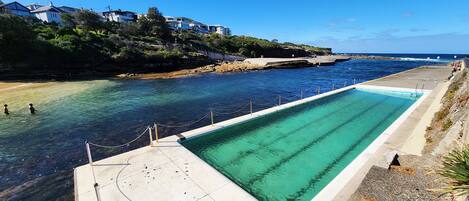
<point>167,171</point>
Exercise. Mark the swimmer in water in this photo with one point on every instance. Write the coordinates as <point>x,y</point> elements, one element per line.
<point>5,109</point>
<point>32,109</point>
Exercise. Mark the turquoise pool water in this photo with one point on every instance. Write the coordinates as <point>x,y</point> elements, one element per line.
<point>294,153</point>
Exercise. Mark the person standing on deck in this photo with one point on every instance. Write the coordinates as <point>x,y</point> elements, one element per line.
<point>5,109</point>
<point>32,109</point>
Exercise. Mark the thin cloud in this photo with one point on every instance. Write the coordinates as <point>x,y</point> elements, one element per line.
<point>418,30</point>
<point>388,33</point>
<point>407,14</point>
<point>339,25</point>
<point>435,43</point>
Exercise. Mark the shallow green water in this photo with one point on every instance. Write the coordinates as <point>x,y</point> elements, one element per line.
<point>293,154</point>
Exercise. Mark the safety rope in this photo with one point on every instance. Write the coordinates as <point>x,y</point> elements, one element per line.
<point>236,111</point>
<point>121,145</point>
<point>184,125</point>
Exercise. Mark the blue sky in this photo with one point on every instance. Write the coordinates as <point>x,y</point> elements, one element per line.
<point>386,26</point>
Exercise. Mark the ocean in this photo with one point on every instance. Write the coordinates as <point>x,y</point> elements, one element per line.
<point>43,149</point>
<point>419,57</point>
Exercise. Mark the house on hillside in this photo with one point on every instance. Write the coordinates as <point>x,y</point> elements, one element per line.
<point>219,29</point>
<point>178,23</point>
<point>69,10</point>
<point>34,6</point>
<point>119,16</point>
<point>48,13</point>
<point>184,23</point>
<point>15,8</point>
<point>199,27</point>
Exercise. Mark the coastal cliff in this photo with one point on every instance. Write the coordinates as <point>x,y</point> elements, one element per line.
<point>241,66</point>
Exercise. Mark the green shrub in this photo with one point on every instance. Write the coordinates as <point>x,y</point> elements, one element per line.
<point>442,113</point>
<point>455,167</point>
<point>448,123</point>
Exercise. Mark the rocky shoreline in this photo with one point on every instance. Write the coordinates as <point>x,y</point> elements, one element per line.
<point>242,66</point>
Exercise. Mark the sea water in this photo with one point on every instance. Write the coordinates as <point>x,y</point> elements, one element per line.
<point>51,143</point>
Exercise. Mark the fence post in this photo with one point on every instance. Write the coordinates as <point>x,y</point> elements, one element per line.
<point>211,116</point>
<point>151,136</point>
<point>354,81</point>
<point>279,100</point>
<point>90,160</point>
<point>333,86</point>
<point>250,106</point>
<point>156,132</point>
<point>416,88</point>
<point>319,90</point>
<point>96,190</point>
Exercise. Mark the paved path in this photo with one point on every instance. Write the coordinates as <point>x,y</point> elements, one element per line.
<point>319,60</point>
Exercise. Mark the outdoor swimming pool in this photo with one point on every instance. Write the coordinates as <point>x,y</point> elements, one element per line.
<point>293,153</point>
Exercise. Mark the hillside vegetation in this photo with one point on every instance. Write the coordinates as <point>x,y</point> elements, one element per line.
<point>85,44</point>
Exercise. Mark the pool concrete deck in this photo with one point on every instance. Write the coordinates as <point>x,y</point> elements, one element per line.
<point>168,171</point>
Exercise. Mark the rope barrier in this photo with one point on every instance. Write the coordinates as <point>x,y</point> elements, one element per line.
<point>265,105</point>
<point>184,125</point>
<point>238,110</point>
<point>121,145</point>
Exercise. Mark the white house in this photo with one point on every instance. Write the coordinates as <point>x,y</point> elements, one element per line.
<point>34,6</point>
<point>219,29</point>
<point>199,27</point>
<point>178,23</point>
<point>14,8</point>
<point>119,16</point>
<point>49,14</point>
<point>184,23</point>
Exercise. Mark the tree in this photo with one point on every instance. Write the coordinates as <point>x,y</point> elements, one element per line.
<point>16,36</point>
<point>155,24</point>
<point>88,20</point>
<point>68,20</point>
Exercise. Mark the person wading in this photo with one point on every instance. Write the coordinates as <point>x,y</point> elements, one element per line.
<point>5,109</point>
<point>32,109</point>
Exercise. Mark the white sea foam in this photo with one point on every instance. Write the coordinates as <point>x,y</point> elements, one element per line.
<point>422,59</point>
